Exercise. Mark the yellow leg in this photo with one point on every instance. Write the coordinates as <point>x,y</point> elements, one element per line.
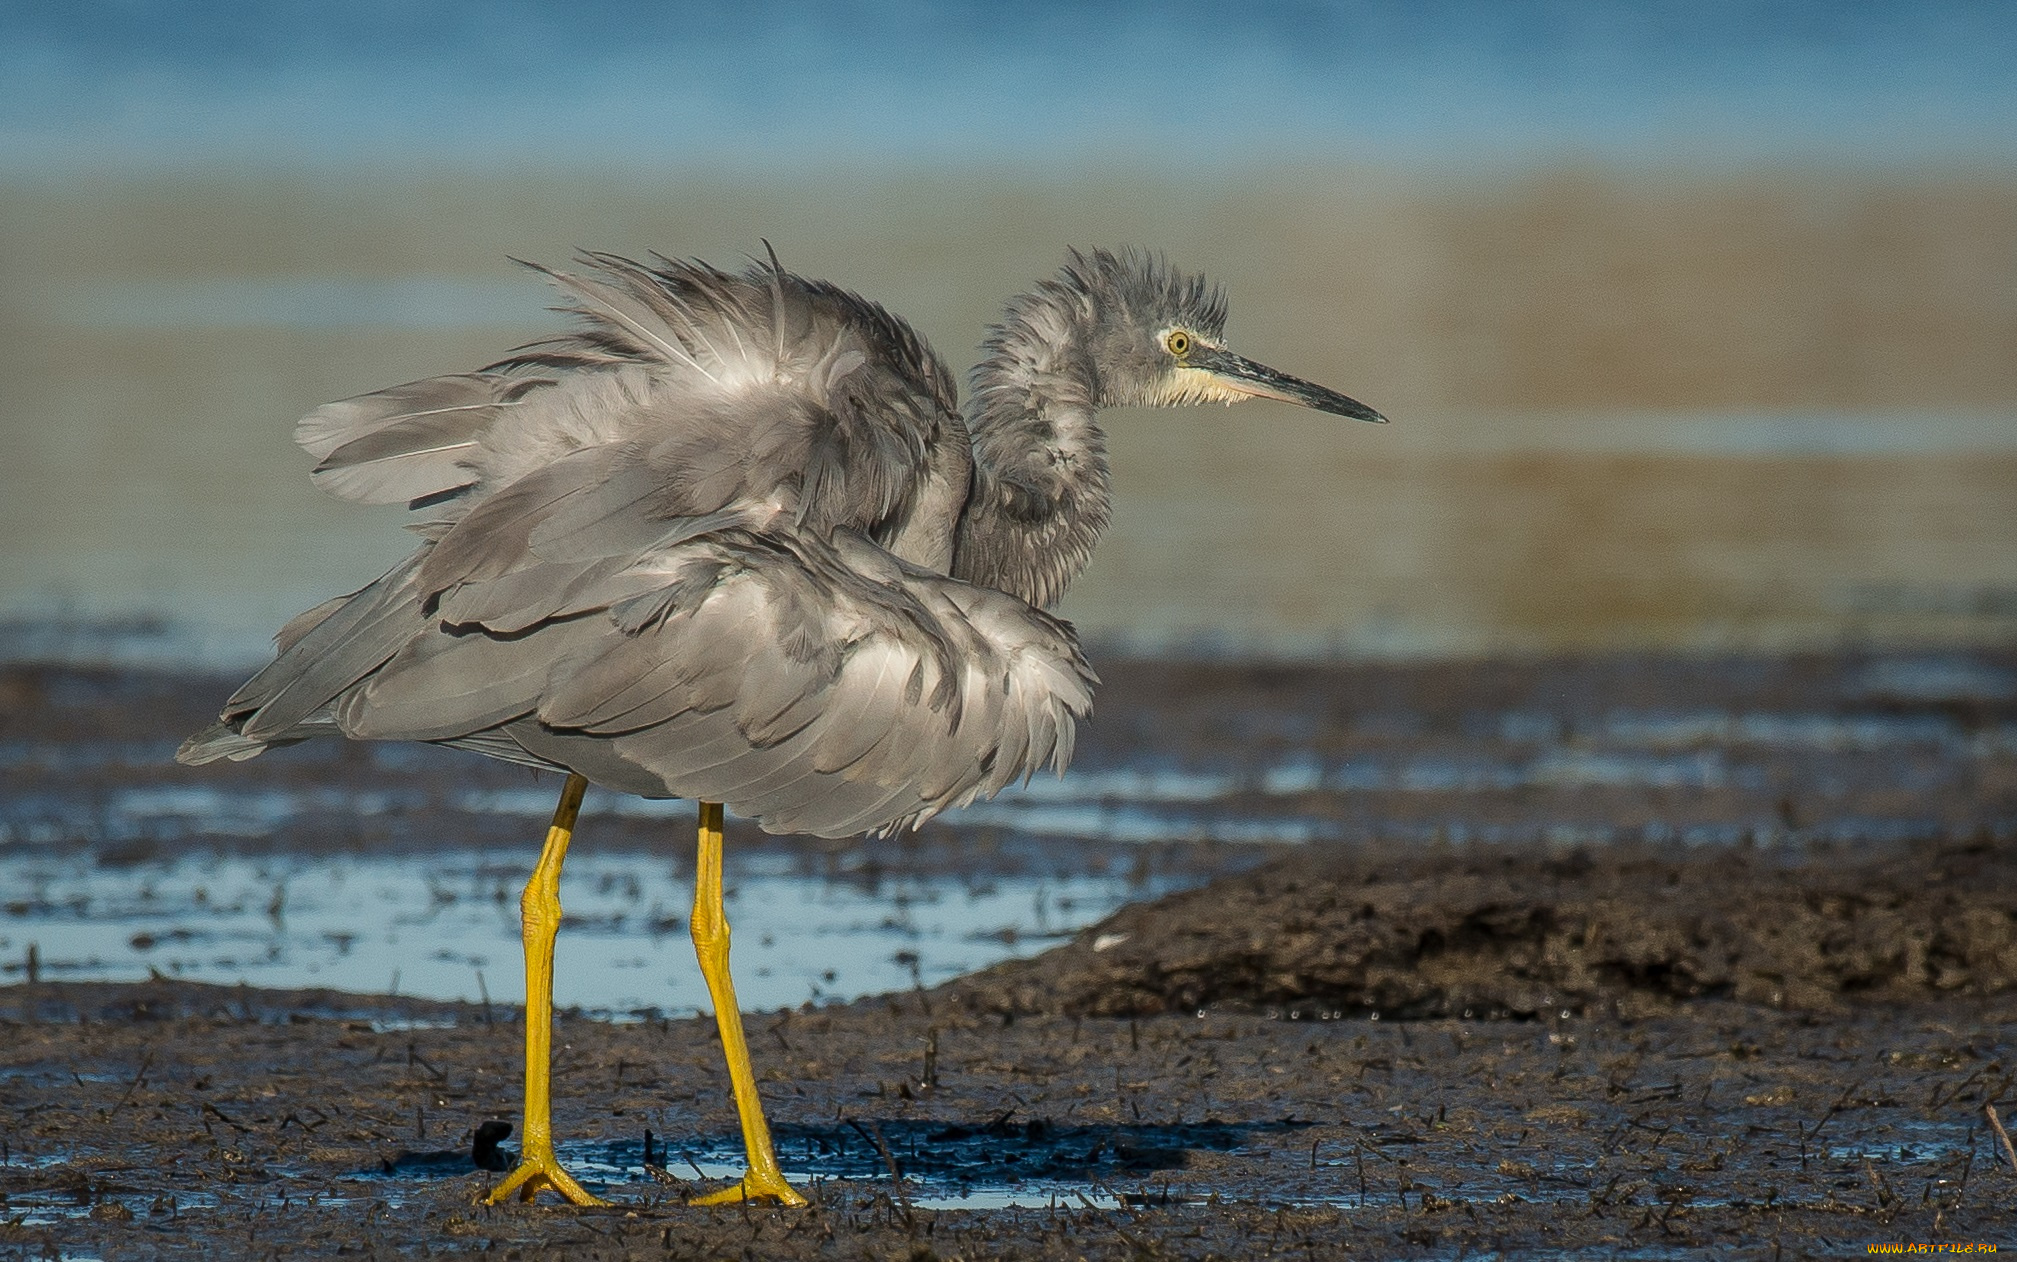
<point>764,1181</point>
<point>539,910</point>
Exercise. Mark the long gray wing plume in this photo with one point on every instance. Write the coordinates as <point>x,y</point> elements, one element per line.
<point>408,442</point>
<point>652,557</point>
<point>668,357</point>
<point>330,656</point>
<point>813,687</point>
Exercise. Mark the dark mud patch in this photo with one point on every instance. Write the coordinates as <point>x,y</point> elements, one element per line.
<point>165,1000</point>
<point>1471,932</point>
<point>177,1120</point>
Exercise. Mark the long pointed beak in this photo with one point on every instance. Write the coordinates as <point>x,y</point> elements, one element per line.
<point>1262,382</point>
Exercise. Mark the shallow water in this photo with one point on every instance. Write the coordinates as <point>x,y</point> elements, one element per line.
<point>444,925</point>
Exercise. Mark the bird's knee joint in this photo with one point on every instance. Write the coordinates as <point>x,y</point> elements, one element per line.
<point>539,914</point>
<point>710,936</point>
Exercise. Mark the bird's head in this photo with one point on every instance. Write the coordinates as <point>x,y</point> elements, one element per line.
<point>1156,339</point>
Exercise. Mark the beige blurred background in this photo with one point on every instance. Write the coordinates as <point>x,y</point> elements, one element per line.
<point>1631,409</point>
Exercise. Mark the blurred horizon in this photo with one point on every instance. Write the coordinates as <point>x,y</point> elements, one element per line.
<point>1698,323</point>
<point>742,87</point>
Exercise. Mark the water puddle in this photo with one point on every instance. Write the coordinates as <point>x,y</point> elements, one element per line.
<point>1001,1163</point>
<point>998,1164</point>
<point>445,925</point>
<point>1005,1162</point>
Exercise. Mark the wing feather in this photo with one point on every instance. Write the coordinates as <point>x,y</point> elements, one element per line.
<point>699,699</point>
<point>335,653</point>
<point>415,458</point>
<point>524,598</point>
<point>632,310</point>
<point>448,682</point>
<point>649,558</point>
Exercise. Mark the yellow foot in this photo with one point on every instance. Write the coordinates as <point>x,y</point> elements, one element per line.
<point>536,1172</point>
<point>754,1187</point>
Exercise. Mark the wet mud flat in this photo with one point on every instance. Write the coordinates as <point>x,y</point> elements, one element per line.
<point>1777,1056</point>
<point>1616,957</point>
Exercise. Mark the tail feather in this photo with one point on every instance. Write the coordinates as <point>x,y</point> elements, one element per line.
<point>225,740</point>
<point>219,740</point>
<point>330,656</point>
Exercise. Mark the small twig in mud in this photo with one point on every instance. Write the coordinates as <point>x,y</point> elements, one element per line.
<point>413,1057</point>
<point>148,1059</point>
<point>1933,1100</point>
<point>1120,1202</point>
<point>1997,1094</point>
<point>294,1119</point>
<point>1140,1246</point>
<point>1598,1201</point>
<point>912,961</point>
<point>484,991</point>
<point>873,1134</point>
<point>1677,1203</point>
<point>1808,1138</point>
<point>1885,1196</point>
<point>211,1110</point>
<point>663,1175</point>
<point>2003,1136</point>
<point>653,1168</point>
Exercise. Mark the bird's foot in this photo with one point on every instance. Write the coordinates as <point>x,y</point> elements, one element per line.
<point>538,1170</point>
<point>754,1186</point>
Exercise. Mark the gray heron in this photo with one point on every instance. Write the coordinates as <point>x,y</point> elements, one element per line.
<point>734,540</point>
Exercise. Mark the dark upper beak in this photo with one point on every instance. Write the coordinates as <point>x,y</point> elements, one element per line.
<point>1264,382</point>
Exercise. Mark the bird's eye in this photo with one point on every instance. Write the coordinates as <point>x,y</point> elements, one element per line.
<point>1179,342</point>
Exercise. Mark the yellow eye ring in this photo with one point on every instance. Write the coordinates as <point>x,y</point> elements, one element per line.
<point>1179,342</point>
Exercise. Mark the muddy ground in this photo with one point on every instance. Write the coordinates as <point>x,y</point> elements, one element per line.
<point>175,1120</point>
<point>1784,1046</point>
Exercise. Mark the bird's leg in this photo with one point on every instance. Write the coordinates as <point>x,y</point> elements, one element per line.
<point>764,1181</point>
<point>539,910</point>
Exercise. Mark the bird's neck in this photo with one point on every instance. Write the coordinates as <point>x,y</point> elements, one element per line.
<point>1040,498</point>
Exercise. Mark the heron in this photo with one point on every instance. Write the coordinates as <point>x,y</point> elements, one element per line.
<point>732,538</point>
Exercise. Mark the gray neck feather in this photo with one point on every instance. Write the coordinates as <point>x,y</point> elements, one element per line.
<point>1040,497</point>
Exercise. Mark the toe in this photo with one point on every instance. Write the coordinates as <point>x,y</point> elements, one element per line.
<point>530,1177</point>
<point>753,1188</point>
